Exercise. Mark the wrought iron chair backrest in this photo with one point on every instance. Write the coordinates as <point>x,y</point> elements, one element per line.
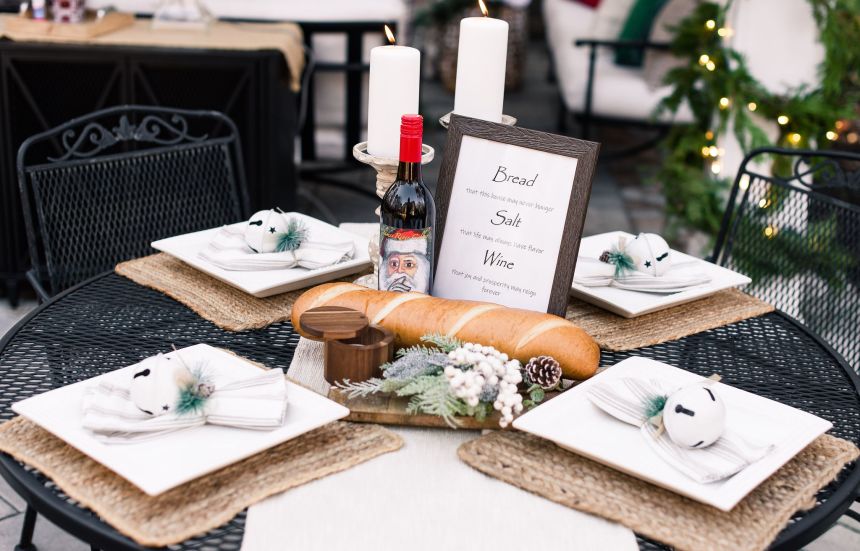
<point>796,233</point>
<point>99,189</point>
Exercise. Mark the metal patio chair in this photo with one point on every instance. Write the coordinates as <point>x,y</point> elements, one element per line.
<point>796,233</point>
<point>795,230</point>
<point>99,189</point>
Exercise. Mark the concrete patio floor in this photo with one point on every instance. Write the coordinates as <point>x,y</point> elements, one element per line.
<point>619,201</point>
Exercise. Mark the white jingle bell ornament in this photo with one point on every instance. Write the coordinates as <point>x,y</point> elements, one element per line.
<point>649,253</point>
<point>264,230</point>
<point>694,416</point>
<point>156,384</point>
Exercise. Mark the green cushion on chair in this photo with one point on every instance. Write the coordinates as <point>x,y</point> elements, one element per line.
<point>637,27</point>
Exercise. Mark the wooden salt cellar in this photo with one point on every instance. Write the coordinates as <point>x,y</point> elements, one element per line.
<point>354,349</point>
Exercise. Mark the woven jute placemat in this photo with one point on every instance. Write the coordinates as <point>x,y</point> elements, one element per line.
<point>234,310</point>
<point>541,467</point>
<point>613,332</point>
<point>224,305</point>
<point>204,503</point>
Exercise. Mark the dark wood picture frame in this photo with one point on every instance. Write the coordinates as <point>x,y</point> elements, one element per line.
<point>584,152</point>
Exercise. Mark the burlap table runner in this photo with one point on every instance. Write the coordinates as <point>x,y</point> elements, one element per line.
<point>204,503</point>
<point>221,35</point>
<point>234,310</point>
<point>541,467</point>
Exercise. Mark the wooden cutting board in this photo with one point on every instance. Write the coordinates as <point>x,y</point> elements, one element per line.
<point>386,409</point>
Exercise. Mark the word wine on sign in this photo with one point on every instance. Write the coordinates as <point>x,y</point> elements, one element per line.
<point>495,258</point>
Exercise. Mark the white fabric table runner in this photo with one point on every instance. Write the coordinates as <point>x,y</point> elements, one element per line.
<point>421,497</point>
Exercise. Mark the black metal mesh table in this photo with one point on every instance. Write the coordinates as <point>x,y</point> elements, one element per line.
<point>109,322</point>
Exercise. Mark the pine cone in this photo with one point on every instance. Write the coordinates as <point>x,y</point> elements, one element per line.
<point>544,371</point>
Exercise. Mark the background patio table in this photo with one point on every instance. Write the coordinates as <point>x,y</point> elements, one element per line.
<point>109,322</point>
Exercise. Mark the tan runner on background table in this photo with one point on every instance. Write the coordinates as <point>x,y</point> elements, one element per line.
<point>286,37</point>
<point>234,310</point>
<point>541,467</point>
<point>202,504</point>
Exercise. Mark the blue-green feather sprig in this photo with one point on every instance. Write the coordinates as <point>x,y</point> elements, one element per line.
<point>291,239</point>
<point>622,261</point>
<point>195,392</point>
<point>654,405</point>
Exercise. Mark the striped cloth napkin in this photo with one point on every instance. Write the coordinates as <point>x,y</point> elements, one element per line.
<point>258,402</point>
<point>591,272</point>
<point>228,251</point>
<point>626,399</point>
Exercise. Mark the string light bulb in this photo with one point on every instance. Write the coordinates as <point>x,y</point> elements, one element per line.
<point>770,231</point>
<point>716,167</point>
<point>831,135</point>
<point>705,151</point>
<point>794,138</point>
<point>724,103</point>
<point>704,59</point>
<point>782,120</point>
<point>711,66</point>
<point>710,24</point>
<point>725,32</point>
<point>713,151</point>
<point>752,106</point>
<point>852,137</point>
<point>839,125</point>
<point>709,135</point>
<point>744,183</point>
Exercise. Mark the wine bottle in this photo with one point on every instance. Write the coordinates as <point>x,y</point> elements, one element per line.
<point>406,235</point>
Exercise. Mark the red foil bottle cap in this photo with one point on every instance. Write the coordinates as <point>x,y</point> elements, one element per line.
<point>411,131</point>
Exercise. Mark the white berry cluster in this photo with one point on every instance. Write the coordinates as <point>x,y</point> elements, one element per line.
<point>474,370</point>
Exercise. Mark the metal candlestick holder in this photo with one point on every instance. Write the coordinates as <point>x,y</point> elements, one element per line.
<point>386,173</point>
<point>445,120</point>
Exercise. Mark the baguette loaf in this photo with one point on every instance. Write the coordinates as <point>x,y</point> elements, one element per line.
<point>521,334</point>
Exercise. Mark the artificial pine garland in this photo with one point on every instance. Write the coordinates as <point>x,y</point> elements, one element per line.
<point>719,89</point>
<point>449,378</point>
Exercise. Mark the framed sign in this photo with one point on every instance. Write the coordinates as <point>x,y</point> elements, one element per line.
<point>511,205</point>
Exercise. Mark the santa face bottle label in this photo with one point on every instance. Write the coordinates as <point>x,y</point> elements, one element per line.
<point>408,218</point>
<point>406,259</point>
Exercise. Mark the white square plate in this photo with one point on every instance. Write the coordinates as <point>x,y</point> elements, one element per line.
<point>635,303</point>
<point>158,465</point>
<point>265,283</point>
<point>574,423</point>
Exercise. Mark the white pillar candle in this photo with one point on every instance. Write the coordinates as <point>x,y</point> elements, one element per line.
<point>395,74</point>
<point>481,59</point>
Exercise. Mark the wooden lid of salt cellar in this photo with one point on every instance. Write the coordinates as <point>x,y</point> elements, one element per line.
<point>333,322</point>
